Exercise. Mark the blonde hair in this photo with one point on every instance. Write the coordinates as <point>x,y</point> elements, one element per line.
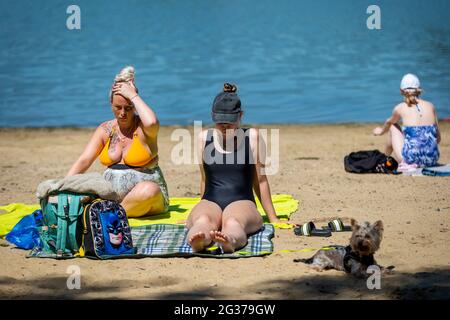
<point>411,96</point>
<point>125,75</point>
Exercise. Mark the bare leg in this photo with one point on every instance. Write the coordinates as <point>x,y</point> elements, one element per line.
<point>394,144</point>
<point>239,219</point>
<point>205,217</point>
<point>388,148</point>
<point>144,199</point>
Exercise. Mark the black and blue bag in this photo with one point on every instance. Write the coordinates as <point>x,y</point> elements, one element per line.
<point>106,232</point>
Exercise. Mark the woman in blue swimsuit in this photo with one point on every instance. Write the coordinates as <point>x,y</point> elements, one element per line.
<point>416,143</point>
<point>231,168</point>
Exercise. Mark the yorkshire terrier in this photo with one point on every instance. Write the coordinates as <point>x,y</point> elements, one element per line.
<point>356,257</point>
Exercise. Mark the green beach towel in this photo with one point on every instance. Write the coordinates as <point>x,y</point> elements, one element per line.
<point>169,240</point>
<point>179,209</point>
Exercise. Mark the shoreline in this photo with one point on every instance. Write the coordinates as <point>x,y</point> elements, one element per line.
<point>318,124</point>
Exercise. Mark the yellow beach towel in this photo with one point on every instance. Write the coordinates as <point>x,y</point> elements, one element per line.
<point>179,209</point>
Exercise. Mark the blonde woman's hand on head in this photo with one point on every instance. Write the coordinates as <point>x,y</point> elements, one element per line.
<point>125,89</point>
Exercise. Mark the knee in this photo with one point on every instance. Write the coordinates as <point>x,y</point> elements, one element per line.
<point>392,129</point>
<point>203,219</point>
<point>146,190</point>
<point>395,129</point>
<point>391,133</point>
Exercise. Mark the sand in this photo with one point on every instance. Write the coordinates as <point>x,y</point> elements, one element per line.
<point>415,212</point>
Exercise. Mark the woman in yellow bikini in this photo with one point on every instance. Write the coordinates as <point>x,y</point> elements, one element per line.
<point>127,146</point>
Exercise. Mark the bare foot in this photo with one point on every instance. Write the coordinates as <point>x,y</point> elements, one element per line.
<point>226,242</point>
<point>197,241</point>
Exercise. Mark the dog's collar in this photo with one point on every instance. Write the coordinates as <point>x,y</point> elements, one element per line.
<point>351,255</point>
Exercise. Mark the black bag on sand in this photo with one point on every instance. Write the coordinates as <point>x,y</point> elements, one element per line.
<point>371,161</point>
<point>106,231</point>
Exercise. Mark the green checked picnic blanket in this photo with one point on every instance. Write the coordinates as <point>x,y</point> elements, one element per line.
<point>169,240</point>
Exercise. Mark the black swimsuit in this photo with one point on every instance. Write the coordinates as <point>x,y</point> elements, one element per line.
<point>228,176</point>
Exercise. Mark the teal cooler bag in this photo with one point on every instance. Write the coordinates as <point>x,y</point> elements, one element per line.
<point>61,231</point>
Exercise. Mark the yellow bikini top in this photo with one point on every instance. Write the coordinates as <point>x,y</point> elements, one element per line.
<point>137,155</point>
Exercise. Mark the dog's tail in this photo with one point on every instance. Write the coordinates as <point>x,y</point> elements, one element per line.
<point>307,261</point>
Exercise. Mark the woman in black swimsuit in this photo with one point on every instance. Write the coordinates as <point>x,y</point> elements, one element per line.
<point>231,169</point>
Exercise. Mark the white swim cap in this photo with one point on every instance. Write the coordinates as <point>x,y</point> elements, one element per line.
<point>410,82</point>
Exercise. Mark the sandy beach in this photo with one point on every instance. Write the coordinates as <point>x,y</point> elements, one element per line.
<point>415,212</point>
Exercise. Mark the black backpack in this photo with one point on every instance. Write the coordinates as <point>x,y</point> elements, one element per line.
<point>371,161</point>
<point>106,232</point>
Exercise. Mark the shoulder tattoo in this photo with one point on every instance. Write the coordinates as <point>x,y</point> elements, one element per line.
<point>106,126</point>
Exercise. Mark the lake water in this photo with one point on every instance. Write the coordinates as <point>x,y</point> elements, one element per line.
<point>293,61</point>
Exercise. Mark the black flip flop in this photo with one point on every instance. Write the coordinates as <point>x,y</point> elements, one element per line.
<point>309,229</point>
<point>337,225</point>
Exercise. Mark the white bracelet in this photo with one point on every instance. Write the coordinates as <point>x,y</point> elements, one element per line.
<point>134,97</point>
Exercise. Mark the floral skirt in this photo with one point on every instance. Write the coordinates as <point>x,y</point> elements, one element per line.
<point>124,178</point>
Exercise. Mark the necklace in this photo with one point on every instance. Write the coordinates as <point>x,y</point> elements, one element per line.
<point>419,110</point>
